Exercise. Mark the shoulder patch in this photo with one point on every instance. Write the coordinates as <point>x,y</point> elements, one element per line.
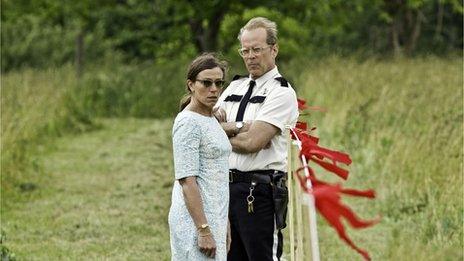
<point>283,82</point>
<point>236,77</point>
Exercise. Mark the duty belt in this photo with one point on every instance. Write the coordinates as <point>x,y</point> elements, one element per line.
<point>259,176</point>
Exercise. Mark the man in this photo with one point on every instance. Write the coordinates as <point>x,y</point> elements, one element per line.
<point>255,110</point>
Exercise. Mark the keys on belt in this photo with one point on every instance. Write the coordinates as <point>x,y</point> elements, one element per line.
<point>253,178</point>
<point>251,198</point>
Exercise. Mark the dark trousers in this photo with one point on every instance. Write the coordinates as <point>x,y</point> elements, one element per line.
<point>254,236</point>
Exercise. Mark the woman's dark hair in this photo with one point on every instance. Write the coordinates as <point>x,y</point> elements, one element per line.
<point>202,62</point>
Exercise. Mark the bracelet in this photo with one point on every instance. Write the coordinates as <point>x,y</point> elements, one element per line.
<point>203,226</point>
<point>204,234</point>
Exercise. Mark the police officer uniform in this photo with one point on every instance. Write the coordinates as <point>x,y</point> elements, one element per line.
<point>257,180</point>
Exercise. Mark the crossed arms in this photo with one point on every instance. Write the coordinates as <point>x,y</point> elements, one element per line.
<point>252,138</point>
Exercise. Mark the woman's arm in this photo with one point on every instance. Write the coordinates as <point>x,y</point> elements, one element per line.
<point>194,205</point>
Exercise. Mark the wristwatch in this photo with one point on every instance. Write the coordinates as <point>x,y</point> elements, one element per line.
<point>239,126</point>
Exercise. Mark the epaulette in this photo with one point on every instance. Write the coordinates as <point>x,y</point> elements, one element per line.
<point>283,82</point>
<point>236,77</point>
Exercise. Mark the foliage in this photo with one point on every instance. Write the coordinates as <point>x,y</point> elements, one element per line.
<point>45,32</point>
<point>41,34</point>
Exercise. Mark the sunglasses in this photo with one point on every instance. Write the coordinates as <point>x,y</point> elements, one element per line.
<point>209,83</point>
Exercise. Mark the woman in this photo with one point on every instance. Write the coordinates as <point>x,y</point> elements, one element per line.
<point>198,218</point>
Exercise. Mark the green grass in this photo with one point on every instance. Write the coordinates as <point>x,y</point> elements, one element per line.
<point>35,106</point>
<point>105,194</point>
<point>401,122</point>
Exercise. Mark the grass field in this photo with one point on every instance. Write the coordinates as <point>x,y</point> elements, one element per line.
<point>105,193</point>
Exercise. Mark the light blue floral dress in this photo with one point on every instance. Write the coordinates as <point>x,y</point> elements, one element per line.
<point>201,149</point>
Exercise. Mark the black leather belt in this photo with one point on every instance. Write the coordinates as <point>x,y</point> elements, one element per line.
<point>259,176</point>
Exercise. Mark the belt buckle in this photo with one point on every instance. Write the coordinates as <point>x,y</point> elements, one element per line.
<point>231,177</point>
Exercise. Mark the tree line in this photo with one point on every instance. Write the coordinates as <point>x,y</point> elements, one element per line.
<point>43,33</point>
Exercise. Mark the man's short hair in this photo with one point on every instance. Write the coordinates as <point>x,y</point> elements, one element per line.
<point>261,22</point>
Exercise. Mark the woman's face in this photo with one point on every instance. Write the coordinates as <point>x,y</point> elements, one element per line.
<point>207,87</point>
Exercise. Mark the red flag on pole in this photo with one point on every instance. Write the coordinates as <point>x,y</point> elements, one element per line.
<point>328,196</point>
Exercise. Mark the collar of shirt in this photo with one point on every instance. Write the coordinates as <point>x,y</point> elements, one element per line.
<point>265,77</point>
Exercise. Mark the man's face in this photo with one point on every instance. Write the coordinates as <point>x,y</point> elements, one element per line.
<point>260,63</point>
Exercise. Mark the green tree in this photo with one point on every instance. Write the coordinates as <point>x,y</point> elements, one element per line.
<point>44,33</point>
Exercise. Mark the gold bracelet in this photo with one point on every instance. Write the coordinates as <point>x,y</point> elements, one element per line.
<point>203,226</point>
<point>204,234</point>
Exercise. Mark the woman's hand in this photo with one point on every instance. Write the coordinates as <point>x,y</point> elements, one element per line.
<point>220,114</point>
<point>207,245</point>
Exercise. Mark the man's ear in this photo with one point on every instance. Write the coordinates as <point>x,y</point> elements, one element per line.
<point>275,50</point>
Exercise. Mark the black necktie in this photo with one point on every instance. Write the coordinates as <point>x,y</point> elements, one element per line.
<point>244,102</point>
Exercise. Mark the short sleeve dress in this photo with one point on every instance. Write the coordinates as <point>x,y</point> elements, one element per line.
<point>201,149</point>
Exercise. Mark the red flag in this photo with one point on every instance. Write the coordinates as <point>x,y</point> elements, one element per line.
<point>327,198</point>
<point>301,125</point>
<point>302,135</point>
<point>313,152</point>
<point>301,104</point>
